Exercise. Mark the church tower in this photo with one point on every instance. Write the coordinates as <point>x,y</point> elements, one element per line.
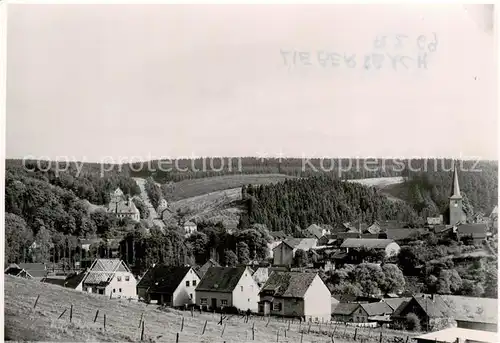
<point>456,204</point>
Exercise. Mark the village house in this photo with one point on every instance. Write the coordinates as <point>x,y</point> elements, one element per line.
<point>110,277</point>
<point>476,233</point>
<point>284,253</point>
<point>162,206</point>
<point>317,231</point>
<point>344,312</point>
<point>395,302</point>
<point>189,228</point>
<point>35,271</point>
<point>169,285</point>
<point>223,287</point>
<point>292,294</point>
<point>122,207</point>
<point>75,280</point>
<point>368,311</point>
<point>433,312</point>
<point>261,275</point>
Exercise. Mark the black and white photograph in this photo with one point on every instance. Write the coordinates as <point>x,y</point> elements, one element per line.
<point>249,172</point>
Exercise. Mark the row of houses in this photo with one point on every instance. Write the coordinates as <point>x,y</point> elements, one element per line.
<point>211,287</point>
<point>434,312</point>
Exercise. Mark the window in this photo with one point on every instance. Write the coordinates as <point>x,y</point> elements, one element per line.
<point>114,290</point>
<point>203,301</point>
<point>119,290</point>
<point>276,306</point>
<point>127,278</point>
<point>241,287</point>
<point>118,278</point>
<point>194,282</point>
<point>187,283</point>
<point>191,296</point>
<point>223,302</point>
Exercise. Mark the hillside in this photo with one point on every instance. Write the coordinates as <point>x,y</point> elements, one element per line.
<point>223,206</point>
<point>386,185</point>
<point>195,187</point>
<point>23,323</point>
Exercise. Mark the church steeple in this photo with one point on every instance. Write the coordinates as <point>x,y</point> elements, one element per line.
<point>455,191</point>
<point>457,214</point>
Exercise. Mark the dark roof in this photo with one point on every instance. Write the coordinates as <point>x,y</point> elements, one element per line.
<point>345,235</point>
<point>435,308</point>
<point>473,229</point>
<point>400,308</point>
<point>73,280</point>
<point>54,281</point>
<point>163,279</point>
<point>34,269</point>
<point>203,269</point>
<point>278,234</point>
<point>221,279</point>
<point>345,309</point>
<point>13,270</point>
<point>288,284</point>
<point>395,302</point>
<point>367,243</point>
<point>377,308</point>
<point>390,224</point>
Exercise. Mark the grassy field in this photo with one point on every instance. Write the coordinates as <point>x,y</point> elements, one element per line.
<point>195,187</point>
<point>392,187</point>
<point>24,323</point>
<point>215,206</point>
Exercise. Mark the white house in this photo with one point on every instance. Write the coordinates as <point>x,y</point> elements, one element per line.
<point>189,228</point>
<point>284,253</point>
<point>295,294</point>
<point>228,287</point>
<point>318,231</point>
<point>110,277</point>
<point>169,285</point>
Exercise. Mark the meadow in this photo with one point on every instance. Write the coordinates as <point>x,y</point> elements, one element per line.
<point>50,321</point>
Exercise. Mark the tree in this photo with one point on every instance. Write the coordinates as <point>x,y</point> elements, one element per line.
<point>394,279</point>
<point>301,258</point>
<point>103,220</point>
<point>412,322</point>
<point>230,258</point>
<point>199,244</point>
<point>141,206</point>
<point>370,277</point>
<point>243,252</point>
<point>18,237</point>
<point>43,241</point>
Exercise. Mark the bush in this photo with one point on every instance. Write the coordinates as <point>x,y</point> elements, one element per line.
<point>412,322</point>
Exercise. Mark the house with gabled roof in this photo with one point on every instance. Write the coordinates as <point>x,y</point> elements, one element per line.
<point>284,253</point>
<point>223,287</point>
<point>343,312</point>
<point>317,231</point>
<point>35,270</point>
<point>110,277</point>
<point>203,269</point>
<point>294,294</point>
<point>169,285</point>
<point>15,270</point>
<point>433,312</point>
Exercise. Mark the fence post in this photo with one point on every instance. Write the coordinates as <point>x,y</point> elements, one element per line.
<point>142,332</point>
<point>104,321</point>
<point>301,336</point>
<point>380,340</point>
<point>71,313</point>
<point>177,338</point>
<point>140,321</point>
<point>204,327</point>
<point>355,333</point>
<point>182,324</point>
<point>309,328</point>
<point>223,329</point>
<point>278,335</point>
<point>62,314</point>
<point>36,301</point>
<point>96,314</point>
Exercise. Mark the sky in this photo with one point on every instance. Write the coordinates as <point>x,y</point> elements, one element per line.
<point>94,82</point>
